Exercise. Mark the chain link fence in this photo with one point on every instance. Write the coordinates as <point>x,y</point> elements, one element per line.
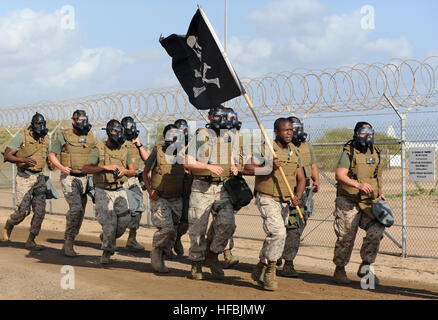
<point>327,108</point>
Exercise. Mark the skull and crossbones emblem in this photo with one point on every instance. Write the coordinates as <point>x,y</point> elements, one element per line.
<point>192,42</point>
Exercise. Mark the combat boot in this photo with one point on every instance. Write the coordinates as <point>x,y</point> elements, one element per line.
<point>105,259</point>
<point>132,242</point>
<point>258,273</point>
<point>340,276</point>
<point>7,230</point>
<point>196,272</point>
<point>362,273</point>
<point>229,259</point>
<point>212,262</point>
<point>30,243</point>
<point>279,262</point>
<point>288,270</point>
<point>270,277</point>
<point>68,247</point>
<point>178,247</point>
<point>157,261</point>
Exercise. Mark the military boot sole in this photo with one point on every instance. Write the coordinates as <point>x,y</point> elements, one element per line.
<point>270,288</point>
<point>69,254</point>
<point>232,263</point>
<point>289,275</point>
<point>33,247</point>
<point>137,247</point>
<point>196,277</point>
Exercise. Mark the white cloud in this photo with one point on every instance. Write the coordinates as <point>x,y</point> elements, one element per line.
<point>296,33</point>
<point>40,60</point>
<point>400,48</point>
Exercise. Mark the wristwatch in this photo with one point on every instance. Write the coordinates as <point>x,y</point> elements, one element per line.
<point>138,147</point>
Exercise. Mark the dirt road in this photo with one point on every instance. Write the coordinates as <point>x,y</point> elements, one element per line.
<point>37,275</point>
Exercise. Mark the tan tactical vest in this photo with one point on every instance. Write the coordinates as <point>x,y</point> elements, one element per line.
<point>35,149</point>
<point>169,180</point>
<point>306,160</point>
<point>215,158</point>
<point>135,153</point>
<point>272,185</point>
<point>76,149</point>
<point>107,156</point>
<point>363,169</point>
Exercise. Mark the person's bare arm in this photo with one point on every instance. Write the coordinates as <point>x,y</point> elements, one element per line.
<point>342,177</point>
<point>193,164</point>
<point>9,156</point>
<point>54,160</point>
<point>315,177</point>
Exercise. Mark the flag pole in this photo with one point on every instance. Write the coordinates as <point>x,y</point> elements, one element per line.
<point>248,101</point>
<point>291,193</point>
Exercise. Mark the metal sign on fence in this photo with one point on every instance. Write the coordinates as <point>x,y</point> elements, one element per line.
<point>422,164</point>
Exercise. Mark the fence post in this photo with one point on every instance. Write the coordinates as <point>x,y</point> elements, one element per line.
<point>402,117</point>
<point>403,168</point>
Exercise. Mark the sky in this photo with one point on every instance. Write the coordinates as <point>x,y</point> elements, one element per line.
<point>113,45</point>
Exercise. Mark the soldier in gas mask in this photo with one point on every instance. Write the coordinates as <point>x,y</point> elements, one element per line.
<point>167,189</point>
<point>210,165</point>
<point>308,162</point>
<point>139,154</point>
<point>111,165</point>
<point>74,145</point>
<point>359,179</point>
<point>232,123</point>
<point>28,150</point>
<point>183,225</point>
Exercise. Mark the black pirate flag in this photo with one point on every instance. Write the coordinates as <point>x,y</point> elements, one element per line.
<point>201,65</point>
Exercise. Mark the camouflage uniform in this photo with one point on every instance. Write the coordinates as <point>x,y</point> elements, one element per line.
<point>206,197</point>
<point>133,185</point>
<point>113,215</point>
<point>74,193</point>
<point>30,191</point>
<point>274,215</point>
<point>353,207</point>
<point>30,183</point>
<point>293,236</point>
<point>166,214</point>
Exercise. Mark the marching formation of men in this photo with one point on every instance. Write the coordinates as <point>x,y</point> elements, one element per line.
<point>192,178</point>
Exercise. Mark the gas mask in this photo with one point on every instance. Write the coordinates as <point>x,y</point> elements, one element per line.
<point>183,127</point>
<point>219,120</point>
<point>131,130</point>
<point>38,126</point>
<point>364,138</point>
<point>232,116</point>
<point>118,137</point>
<point>174,137</point>
<point>81,124</point>
<point>299,135</point>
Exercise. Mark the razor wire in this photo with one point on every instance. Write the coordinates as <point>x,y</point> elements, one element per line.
<point>344,89</point>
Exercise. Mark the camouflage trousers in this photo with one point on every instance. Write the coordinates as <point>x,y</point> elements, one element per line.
<point>74,193</point>
<point>112,212</point>
<point>30,192</point>
<point>208,197</point>
<point>133,185</point>
<point>292,242</point>
<point>274,215</point>
<point>165,216</point>
<point>210,235</point>
<point>348,218</point>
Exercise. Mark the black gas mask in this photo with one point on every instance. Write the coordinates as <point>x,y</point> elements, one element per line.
<point>115,133</point>
<point>364,138</point>
<point>38,126</point>
<point>175,138</point>
<point>130,128</point>
<point>299,135</point>
<point>236,124</point>
<point>219,120</point>
<point>81,124</point>
<point>182,126</point>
